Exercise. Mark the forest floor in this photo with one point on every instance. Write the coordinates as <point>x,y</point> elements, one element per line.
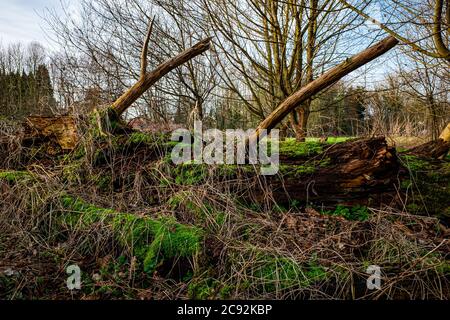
<point>141,228</point>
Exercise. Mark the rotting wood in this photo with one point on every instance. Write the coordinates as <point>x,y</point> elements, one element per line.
<point>357,172</point>
<point>59,130</point>
<point>436,149</point>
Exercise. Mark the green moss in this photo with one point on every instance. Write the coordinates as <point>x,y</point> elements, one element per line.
<point>406,184</point>
<point>443,268</point>
<point>333,140</point>
<point>330,140</point>
<point>292,148</point>
<point>203,289</point>
<point>226,291</point>
<point>72,171</point>
<point>356,213</point>
<point>149,139</point>
<point>414,163</point>
<point>14,176</point>
<point>324,162</point>
<point>79,152</point>
<point>283,273</point>
<point>307,168</point>
<point>152,240</point>
<point>139,137</point>
<point>190,174</point>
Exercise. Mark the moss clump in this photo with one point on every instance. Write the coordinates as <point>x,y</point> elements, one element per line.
<point>73,171</point>
<point>203,289</point>
<point>190,174</point>
<point>356,213</point>
<point>14,176</point>
<point>283,273</point>
<point>152,240</point>
<point>414,163</point>
<point>139,137</point>
<point>292,148</point>
<point>333,140</point>
<point>149,139</point>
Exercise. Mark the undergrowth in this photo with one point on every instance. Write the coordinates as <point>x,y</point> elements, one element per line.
<point>140,227</point>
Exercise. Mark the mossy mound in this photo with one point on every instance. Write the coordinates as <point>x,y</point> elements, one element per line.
<point>152,240</point>
<point>293,149</point>
<point>14,176</point>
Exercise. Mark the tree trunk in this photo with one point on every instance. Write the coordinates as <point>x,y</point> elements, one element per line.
<point>356,172</point>
<point>324,82</point>
<point>148,79</point>
<point>301,129</point>
<point>436,149</point>
<point>61,132</point>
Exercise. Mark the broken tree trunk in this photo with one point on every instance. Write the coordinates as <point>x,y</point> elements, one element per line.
<point>323,82</point>
<point>356,172</point>
<point>149,79</point>
<point>59,132</point>
<point>62,130</point>
<point>436,149</point>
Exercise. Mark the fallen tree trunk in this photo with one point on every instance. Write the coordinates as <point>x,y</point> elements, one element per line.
<point>436,149</point>
<point>357,172</point>
<point>323,82</point>
<point>61,132</point>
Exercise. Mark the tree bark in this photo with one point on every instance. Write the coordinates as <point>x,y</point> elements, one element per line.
<point>325,81</point>
<point>435,149</point>
<point>61,131</point>
<point>361,172</point>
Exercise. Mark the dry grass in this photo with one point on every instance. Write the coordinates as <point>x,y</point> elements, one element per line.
<point>246,253</point>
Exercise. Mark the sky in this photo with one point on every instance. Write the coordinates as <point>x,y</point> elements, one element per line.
<point>21,21</point>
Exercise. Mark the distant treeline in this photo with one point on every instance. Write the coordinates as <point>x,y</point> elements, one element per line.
<point>25,84</point>
<point>22,94</point>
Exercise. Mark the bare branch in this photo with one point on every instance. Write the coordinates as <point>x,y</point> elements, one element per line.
<point>325,81</point>
<point>150,78</point>
<point>144,59</point>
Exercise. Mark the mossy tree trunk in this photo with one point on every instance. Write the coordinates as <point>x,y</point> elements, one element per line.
<point>363,172</point>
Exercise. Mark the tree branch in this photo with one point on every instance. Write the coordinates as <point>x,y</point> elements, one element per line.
<point>150,78</point>
<point>323,82</point>
<point>144,61</point>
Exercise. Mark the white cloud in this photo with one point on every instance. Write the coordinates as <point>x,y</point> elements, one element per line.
<point>21,20</point>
